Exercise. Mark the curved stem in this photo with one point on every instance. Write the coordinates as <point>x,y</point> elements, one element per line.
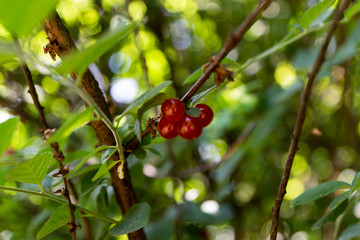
<point>59,200</point>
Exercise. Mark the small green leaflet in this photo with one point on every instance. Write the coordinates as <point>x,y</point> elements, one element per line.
<point>136,218</point>
<point>350,232</point>
<point>338,200</point>
<point>351,11</point>
<point>193,112</point>
<point>331,216</point>
<point>355,185</point>
<point>81,59</point>
<point>104,168</point>
<point>154,101</point>
<point>32,171</point>
<point>311,14</point>
<point>71,124</point>
<point>83,161</point>
<point>138,102</point>
<point>58,218</point>
<point>21,16</point>
<point>7,130</point>
<point>106,165</point>
<point>194,76</point>
<point>319,191</point>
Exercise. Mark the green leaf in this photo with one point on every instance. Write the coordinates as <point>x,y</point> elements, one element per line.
<point>311,14</point>
<point>339,199</point>
<point>136,218</point>
<point>139,153</point>
<point>153,151</point>
<point>104,168</point>
<point>350,232</point>
<point>197,97</point>
<point>74,122</point>
<point>7,130</point>
<point>80,60</point>
<point>21,16</point>
<point>32,171</point>
<point>351,11</point>
<point>194,112</point>
<point>143,98</point>
<point>194,76</point>
<point>58,218</point>
<point>106,155</point>
<point>331,216</point>
<point>83,161</point>
<point>319,191</point>
<point>355,185</point>
<point>154,101</point>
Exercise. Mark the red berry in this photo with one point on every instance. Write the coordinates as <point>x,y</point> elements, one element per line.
<point>167,129</point>
<point>173,109</point>
<point>189,128</point>
<point>206,114</point>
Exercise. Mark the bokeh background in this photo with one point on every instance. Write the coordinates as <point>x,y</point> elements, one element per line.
<point>189,199</point>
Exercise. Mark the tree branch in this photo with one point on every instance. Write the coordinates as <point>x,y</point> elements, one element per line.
<point>230,43</point>
<point>61,44</point>
<point>57,153</point>
<point>301,118</point>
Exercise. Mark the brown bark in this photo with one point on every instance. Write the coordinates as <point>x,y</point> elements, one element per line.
<point>60,43</point>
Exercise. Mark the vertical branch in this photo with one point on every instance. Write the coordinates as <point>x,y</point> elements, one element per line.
<point>57,153</point>
<point>61,44</point>
<point>301,118</point>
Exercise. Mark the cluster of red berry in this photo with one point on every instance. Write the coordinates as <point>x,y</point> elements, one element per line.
<point>175,122</point>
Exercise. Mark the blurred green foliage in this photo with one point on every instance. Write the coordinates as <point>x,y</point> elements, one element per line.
<point>171,41</point>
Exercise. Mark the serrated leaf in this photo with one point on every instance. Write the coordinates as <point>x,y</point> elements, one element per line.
<point>139,153</point>
<point>193,112</point>
<point>74,122</point>
<point>104,168</point>
<point>58,218</point>
<point>136,218</point>
<point>7,130</point>
<point>21,16</point>
<point>351,11</point>
<point>319,191</point>
<point>80,60</point>
<point>350,232</point>
<point>331,215</point>
<point>138,102</point>
<point>32,171</point>
<point>83,161</point>
<point>338,200</point>
<point>194,76</point>
<point>315,11</point>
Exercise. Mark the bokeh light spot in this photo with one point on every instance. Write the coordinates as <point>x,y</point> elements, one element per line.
<point>210,207</point>
<point>124,90</point>
<point>285,74</point>
<point>294,188</point>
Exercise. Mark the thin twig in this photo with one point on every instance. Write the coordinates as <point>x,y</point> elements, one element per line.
<point>57,153</point>
<point>230,43</point>
<point>301,118</point>
<point>61,44</point>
